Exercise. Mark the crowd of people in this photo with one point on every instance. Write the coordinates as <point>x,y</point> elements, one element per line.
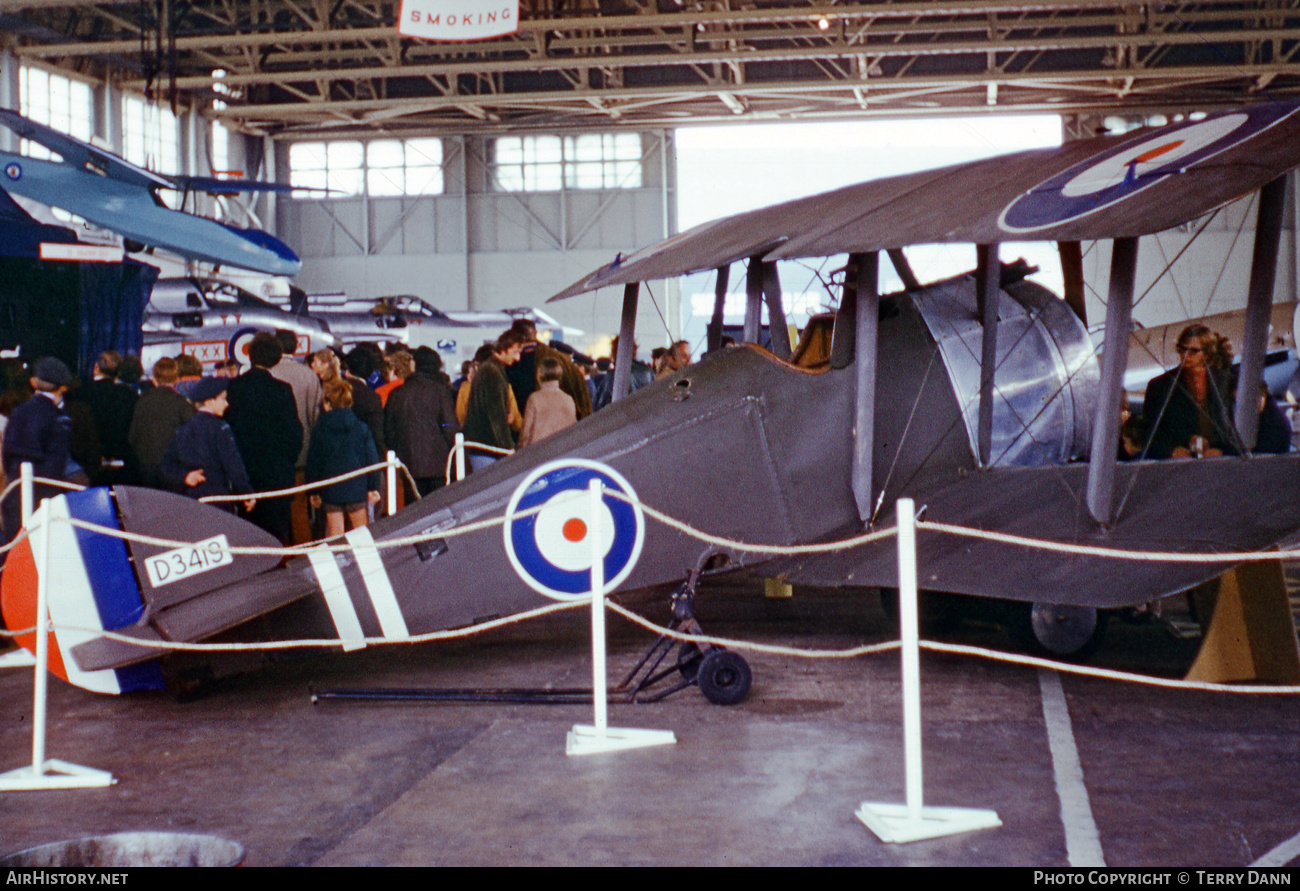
<point>283,422</point>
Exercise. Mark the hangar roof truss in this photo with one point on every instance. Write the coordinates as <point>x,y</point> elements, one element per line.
<point>339,67</point>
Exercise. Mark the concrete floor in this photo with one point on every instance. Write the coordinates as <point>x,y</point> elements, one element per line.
<point>1171,777</point>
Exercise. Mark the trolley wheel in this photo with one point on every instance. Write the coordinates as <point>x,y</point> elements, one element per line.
<point>688,661</point>
<point>724,677</point>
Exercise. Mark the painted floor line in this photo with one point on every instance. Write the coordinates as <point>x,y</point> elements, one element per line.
<point>1082,841</point>
<point>1281,855</point>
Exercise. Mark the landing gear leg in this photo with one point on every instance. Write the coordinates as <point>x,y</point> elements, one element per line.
<point>723,676</point>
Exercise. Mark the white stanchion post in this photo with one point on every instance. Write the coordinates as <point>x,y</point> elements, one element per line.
<point>600,737</point>
<point>20,658</point>
<point>42,644</point>
<point>460,456</point>
<point>45,774</point>
<point>912,821</point>
<point>29,499</point>
<point>392,482</point>
<point>599,681</point>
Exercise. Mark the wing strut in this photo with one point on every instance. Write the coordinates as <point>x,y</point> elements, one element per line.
<point>1259,302</point>
<point>777,329</point>
<point>719,302</point>
<point>753,299</point>
<point>987,290</point>
<point>904,270</point>
<point>626,345</point>
<point>1071,253</point>
<point>846,327</point>
<point>1105,427</point>
<point>867,331</point>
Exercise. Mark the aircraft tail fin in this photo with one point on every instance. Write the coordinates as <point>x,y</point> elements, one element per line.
<point>99,582</point>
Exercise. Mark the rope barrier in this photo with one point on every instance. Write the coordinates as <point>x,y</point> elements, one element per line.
<point>716,540</point>
<point>484,447</point>
<point>750,646</point>
<point>1111,553</point>
<point>306,487</point>
<point>329,643</point>
<point>731,643</point>
<point>58,484</point>
<point>1105,673</point>
<point>713,640</point>
<point>469,443</point>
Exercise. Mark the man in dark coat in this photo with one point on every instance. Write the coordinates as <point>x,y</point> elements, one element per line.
<point>523,373</point>
<point>112,406</point>
<point>40,432</point>
<point>264,418</point>
<point>487,417</point>
<point>157,416</point>
<point>357,368</point>
<point>642,375</point>
<point>420,423</point>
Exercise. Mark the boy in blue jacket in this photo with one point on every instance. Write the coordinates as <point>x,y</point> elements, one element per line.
<point>203,459</point>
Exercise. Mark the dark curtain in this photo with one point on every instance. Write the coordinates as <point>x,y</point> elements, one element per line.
<point>113,296</point>
<point>72,310</point>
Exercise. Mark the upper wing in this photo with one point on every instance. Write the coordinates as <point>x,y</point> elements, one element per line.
<point>86,156</point>
<point>1109,187</point>
<point>82,154</point>
<point>214,186</point>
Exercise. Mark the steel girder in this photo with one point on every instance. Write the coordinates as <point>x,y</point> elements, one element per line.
<point>338,66</point>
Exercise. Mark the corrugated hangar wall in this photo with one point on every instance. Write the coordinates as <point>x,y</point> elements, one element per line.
<point>476,246</point>
<point>1211,275</point>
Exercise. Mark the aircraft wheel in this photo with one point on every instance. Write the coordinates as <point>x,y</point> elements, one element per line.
<point>724,677</point>
<point>1071,632</point>
<point>132,246</point>
<point>688,661</point>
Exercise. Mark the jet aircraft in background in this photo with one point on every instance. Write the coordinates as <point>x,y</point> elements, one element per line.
<point>214,320</point>
<point>981,397</point>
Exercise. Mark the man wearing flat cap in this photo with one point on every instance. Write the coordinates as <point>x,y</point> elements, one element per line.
<point>40,432</point>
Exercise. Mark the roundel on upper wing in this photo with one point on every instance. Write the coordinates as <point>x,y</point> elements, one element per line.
<point>548,528</point>
<point>1131,168</point>
<point>14,170</point>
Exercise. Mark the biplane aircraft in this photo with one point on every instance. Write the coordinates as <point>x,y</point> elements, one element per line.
<point>982,397</point>
<point>115,194</point>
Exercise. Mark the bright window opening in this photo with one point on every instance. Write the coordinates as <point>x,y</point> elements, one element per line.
<point>550,163</point>
<point>379,168</point>
<point>55,101</point>
<point>150,136</point>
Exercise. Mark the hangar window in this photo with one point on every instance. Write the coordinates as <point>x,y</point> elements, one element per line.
<point>379,168</point>
<point>150,135</point>
<point>550,163</point>
<point>55,101</point>
<point>404,167</point>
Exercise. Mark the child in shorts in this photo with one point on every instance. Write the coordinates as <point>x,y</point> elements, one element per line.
<point>342,443</point>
